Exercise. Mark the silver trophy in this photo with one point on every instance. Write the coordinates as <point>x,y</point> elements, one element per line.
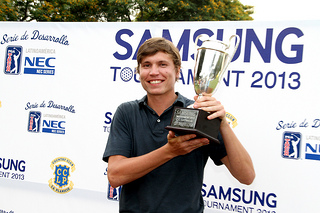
<point>212,60</point>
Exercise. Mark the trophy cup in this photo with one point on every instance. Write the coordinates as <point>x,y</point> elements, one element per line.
<point>212,59</point>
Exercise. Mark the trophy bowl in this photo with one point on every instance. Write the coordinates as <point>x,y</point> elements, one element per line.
<point>212,59</point>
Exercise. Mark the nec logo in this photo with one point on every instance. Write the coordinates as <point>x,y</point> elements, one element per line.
<point>39,65</point>
<point>53,126</point>
<point>312,151</point>
<point>291,145</point>
<point>12,65</point>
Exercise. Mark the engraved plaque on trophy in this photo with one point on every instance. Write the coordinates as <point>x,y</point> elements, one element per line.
<point>212,59</point>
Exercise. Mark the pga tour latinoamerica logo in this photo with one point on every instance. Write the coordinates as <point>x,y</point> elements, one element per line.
<point>12,64</point>
<point>291,145</point>
<point>38,123</point>
<point>62,168</point>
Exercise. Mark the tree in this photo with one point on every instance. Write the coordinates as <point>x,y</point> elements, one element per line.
<point>124,10</point>
<point>17,10</point>
<point>70,10</point>
<point>194,10</point>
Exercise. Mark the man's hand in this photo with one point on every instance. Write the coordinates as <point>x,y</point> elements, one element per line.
<point>210,105</point>
<point>181,145</point>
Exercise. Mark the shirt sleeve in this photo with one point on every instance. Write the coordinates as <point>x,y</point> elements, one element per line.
<point>119,140</point>
<point>218,151</point>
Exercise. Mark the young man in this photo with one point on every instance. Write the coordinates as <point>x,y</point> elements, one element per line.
<point>159,171</point>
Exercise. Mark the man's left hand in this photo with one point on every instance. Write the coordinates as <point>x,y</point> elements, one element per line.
<point>210,105</point>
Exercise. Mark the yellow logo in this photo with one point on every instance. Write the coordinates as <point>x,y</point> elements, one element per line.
<point>231,120</point>
<point>62,167</point>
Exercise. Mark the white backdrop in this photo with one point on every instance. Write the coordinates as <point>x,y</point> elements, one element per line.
<point>60,85</point>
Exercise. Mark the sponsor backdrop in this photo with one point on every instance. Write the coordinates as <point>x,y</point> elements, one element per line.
<point>61,83</point>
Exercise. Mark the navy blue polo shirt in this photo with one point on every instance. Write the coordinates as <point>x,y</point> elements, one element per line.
<point>176,185</point>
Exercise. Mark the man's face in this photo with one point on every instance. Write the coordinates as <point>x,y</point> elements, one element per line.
<point>158,74</point>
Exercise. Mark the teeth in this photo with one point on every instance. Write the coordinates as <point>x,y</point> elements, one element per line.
<point>155,82</point>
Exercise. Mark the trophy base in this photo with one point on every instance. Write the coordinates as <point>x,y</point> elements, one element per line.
<point>194,121</point>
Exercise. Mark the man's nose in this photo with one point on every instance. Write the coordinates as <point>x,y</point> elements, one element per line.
<point>154,70</point>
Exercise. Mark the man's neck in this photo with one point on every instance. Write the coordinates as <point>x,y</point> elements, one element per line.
<point>159,103</point>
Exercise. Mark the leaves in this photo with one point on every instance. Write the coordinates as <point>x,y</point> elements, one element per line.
<point>124,10</point>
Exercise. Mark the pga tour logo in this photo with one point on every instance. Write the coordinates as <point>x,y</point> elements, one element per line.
<point>113,193</point>
<point>34,121</point>
<point>12,64</point>
<point>291,145</point>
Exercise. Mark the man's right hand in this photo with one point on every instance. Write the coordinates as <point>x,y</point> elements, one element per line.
<point>184,144</point>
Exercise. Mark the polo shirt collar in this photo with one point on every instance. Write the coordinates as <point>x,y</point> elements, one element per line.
<point>180,101</point>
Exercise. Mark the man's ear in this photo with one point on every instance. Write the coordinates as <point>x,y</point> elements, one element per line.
<point>178,73</point>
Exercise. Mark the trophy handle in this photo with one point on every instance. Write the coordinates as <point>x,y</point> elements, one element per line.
<point>230,57</point>
<point>196,41</point>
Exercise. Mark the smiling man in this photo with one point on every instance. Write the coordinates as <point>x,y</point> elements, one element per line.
<point>159,171</point>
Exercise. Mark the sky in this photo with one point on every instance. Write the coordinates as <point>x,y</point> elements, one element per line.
<point>272,10</point>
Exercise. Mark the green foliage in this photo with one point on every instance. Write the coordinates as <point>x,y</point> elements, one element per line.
<point>124,10</point>
<point>194,10</point>
<point>16,10</point>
